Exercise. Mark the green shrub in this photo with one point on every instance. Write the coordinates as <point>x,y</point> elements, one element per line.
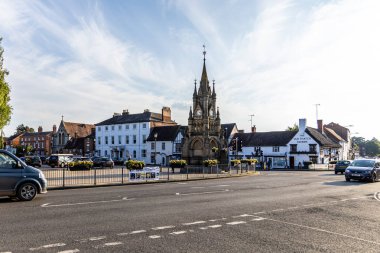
<point>249,161</point>
<point>135,165</point>
<point>177,163</point>
<point>81,165</point>
<point>235,162</point>
<point>210,162</point>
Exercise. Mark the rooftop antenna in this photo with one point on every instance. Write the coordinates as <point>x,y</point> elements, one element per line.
<point>251,119</point>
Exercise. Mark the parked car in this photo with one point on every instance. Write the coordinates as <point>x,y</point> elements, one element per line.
<point>19,180</point>
<point>119,161</point>
<point>363,169</point>
<point>60,160</point>
<point>33,161</point>
<point>103,162</point>
<point>341,166</point>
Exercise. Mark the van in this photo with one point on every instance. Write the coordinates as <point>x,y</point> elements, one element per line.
<point>60,160</point>
<point>18,180</point>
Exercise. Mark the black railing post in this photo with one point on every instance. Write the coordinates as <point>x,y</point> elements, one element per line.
<point>122,174</point>
<point>95,176</point>
<point>63,178</point>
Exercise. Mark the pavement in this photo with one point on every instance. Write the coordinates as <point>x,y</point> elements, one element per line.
<point>277,211</point>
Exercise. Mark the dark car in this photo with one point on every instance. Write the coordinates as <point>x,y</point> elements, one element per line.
<point>19,180</point>
<point>103,162</point>
<point>33,161</point>
<point>340,166</point>
<point>363,169</point>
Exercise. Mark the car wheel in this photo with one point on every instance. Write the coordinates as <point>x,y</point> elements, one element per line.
<point>373,177</point>
<point>348,179</point>
<point>27,192</point>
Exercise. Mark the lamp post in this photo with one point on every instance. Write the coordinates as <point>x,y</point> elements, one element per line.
<point>155,146</point>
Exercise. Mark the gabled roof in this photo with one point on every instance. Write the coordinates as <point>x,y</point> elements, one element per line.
<point>229,126</point>
<point>332,134</point>
<point>133,118</point>
<point>78,129</point>
<point>164,133</point>
<point>340,130</point>
<point>322,140</point>
<point>266,139</point>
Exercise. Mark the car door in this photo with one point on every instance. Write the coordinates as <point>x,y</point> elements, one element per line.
<point>10,174</point>
<point>377,169</point>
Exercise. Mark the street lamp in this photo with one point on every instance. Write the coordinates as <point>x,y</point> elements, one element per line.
<point>155,146</point>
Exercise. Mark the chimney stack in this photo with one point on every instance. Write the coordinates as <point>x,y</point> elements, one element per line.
<point>254,129</point>
<point>302,125</point>
<point>54,129</point>
<point>40,129</point>
<point>166,114</point>
<point>320,125</point>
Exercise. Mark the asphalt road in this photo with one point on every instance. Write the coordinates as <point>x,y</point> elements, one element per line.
<point>272,212</point>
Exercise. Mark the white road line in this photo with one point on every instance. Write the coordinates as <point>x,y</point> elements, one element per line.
<point>86,203</point>
<point>194,223</point>
<point>215,226</point>
<point>258,219</point>
<point>70,251</point>
<point>164,227</point>
<point>377,196</point>
<point>259,213</point>
<point>277,210</point>
<point>112,244</point>
<point>97,238</point>
<point>325,231</point>
<point>154,236</point>
<point>48,246</point>
<point>178,232</point>
<point>201,193</point>
<point>6,252</point>
<point>242,215</point>
<point>203,228</point>
<point>236,223</point>
<point>137,232</point>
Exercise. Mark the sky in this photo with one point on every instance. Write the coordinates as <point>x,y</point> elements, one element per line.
<point>275,60</point>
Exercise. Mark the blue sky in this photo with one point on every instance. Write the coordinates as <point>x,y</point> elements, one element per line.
<point>274,59</point>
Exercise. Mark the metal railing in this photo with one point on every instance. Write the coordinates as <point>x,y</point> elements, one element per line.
<point>63,177</point>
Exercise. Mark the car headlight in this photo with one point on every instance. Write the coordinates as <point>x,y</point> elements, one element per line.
<point>347,170</point>
<point>367,172</point>
<point>41,175</point>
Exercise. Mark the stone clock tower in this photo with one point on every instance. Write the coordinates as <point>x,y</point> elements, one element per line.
<point>204,131</point>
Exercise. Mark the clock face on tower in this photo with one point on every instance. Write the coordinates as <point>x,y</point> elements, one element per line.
<point>198,112</point>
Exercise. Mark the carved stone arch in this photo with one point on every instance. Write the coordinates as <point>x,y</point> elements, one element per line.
<point>197,147</point>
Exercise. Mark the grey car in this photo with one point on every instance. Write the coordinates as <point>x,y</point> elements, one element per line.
<point>18,180</point>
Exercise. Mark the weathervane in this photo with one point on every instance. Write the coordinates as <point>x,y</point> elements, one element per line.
<point>204,52</point>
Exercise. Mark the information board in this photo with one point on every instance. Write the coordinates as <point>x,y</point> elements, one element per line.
<point>146,174</point>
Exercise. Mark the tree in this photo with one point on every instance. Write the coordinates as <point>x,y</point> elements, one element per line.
<point>5,108</point>
<point>24,129</point>
<point>293,128</point>
<point>372,147</point>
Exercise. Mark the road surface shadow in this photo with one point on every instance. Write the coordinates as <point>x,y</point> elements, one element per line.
<point>345,183</point>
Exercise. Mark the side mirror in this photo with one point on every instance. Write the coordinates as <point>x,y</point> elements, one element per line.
<point>19,165</point>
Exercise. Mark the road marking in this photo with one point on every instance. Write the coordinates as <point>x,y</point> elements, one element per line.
<point>48,246</point>
<point>154,236</point>
<point>259,213</point>
<point>137,232</point>
<point>258,219</point>
<point>203,228</point>
<point>6,252</point>
<point>236,223</point>
<point>325,231</point>
<point>86,203</point>
<point>194,223</point>
<point>376,195</point>
<point>112,244</point>
<point>277,210</point>
<point>178,233</point>
<point>201,193</point>
<point>70,251</point>
<point>242,215</point>
<point>164,227</point>
<point>215,226</point>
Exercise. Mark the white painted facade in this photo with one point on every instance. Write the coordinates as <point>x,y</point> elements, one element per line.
<point>123,141</point>
<point>165,150</point>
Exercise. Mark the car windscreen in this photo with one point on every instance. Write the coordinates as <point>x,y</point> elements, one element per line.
<point>363,163</point>
<point>343,163</point>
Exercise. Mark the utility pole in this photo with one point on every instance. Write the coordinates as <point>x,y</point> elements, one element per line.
<point>251,119</point>
<point>316,109</point>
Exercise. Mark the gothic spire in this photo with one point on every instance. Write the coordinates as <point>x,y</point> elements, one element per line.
<point>213,88</point>
<point>195,88</point>
<point>191,113</point>
<point>204,80</point>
